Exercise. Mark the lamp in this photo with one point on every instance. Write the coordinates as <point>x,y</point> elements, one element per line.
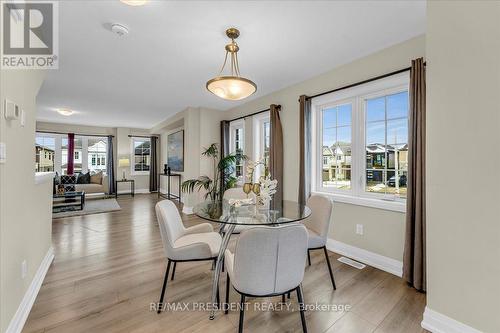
<point>231,87</point>
<point>123,163</point>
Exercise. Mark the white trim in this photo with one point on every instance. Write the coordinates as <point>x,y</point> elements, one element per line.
<point>17,323</point>
<point>439,323</point>
<point>187,210</point>
<point>391,205</point>
<point>137,191</point>
<point>43,177</point>
<point>384,263</point>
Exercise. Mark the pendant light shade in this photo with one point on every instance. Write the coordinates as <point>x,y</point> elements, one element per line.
<point>231,87</point>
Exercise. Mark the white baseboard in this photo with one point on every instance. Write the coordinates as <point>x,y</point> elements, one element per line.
<point>137,191</point>
<point>438,323</point>
<point>17,323</point>
<point>187,210</point>
<point>370,258</point>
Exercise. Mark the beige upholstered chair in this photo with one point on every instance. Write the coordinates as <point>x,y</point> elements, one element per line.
<point>237,193</point>
<point>268,261</point>
<point>196,243</point>
<point>317,225</point>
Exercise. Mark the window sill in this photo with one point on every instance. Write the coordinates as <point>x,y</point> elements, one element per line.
<point>395,206</point>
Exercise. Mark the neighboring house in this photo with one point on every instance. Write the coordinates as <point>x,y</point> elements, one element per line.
<point>142,156</point>
<point>376,159</point>
<point>336,162</point>
<point>44,158</point>
<point>97,156</point>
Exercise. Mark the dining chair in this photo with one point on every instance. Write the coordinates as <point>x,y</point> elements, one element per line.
<point>267,261</point>
<point>317,225</point>
<point>181,244</point>
<point>237,193</point>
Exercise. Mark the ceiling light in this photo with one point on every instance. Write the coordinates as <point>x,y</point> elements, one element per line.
<point>134,2</point>
<point>232,87</point>
<point>119,29</point>
<point>65,111</point>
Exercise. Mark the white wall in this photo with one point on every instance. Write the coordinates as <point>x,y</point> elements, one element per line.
<point>384,230</point>
<point>463,159</point>
<point>25,207</point>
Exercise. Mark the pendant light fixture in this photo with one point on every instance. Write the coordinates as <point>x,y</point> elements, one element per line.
<point>231,87</point>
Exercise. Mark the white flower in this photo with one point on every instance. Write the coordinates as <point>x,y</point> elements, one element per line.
<point>267,188</point>
<point>239,202</point>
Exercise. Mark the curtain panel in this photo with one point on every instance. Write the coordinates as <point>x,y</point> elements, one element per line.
<point>414,263</point>
<point>224,146</point>
<point>305,136</point>
<point>71,154</point>
<point>276,154</point>
<point>110,166</point>
<point>153,165</point>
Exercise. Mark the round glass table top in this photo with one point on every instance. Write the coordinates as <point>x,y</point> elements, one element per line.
<point>250,214</point>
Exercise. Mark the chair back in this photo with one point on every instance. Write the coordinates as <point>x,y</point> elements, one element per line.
<point>170,222</point>
<point>321,211</point>
<point>235,193</point>
<point>270,260</point>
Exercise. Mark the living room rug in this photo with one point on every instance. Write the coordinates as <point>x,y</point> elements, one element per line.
<point>94,206</point>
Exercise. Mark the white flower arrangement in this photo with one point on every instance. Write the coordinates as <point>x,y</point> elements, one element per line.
<point>267,188</point>
<point>251,166</point>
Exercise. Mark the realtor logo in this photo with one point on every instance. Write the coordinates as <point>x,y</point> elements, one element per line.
<point>29,35</point>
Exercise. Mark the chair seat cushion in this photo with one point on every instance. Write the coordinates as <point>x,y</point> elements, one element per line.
<point>197,246</point>
<point>315,240</point>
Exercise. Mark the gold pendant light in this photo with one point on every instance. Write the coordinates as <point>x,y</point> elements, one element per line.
<point>231,87</point>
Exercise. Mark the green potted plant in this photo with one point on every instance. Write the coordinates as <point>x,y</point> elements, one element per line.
<point>223,178</point>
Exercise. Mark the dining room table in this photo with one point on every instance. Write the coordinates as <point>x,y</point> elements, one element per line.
<point>231,213</point>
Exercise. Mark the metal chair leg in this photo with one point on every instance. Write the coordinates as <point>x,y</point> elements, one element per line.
<point>173,271</point>
<point>301,308</point>
<point>329,268</point>
<point>165,280</point>
<point>242,314</point>
<point>228,285</point>
<point>309,257</point>
<point>283,298</point>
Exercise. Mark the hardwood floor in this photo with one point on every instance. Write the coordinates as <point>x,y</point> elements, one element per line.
<point>109,267</point>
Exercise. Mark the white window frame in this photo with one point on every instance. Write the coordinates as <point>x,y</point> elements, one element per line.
<point>357,96</point>
<point>132,158</point>
<point>233,126</point>
<point>258,139</point>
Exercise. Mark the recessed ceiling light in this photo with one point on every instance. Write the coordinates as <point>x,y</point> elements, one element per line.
<point>65,111</point>
<point>134,2</point>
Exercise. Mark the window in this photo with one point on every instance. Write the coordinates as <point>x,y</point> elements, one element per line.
<point>360,143</point>
<point>51,153</point>
<point>45,146</point>
<point>236,143</point>
<point>141,155</point>
<point>261,140</point>
<point>96,154</point>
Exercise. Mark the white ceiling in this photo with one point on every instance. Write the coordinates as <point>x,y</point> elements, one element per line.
<point>174,47</point>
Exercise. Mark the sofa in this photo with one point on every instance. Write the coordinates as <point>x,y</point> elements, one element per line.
<point>93,186</point>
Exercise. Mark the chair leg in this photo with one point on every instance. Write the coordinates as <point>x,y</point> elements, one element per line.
<point>309,257</point>
<point>283,298</point>
<point>218,297</point>
<point>329,268</point>
<point>173,271</point>
<point>242,313</point>
<point>289,295</point>
<point>165,280</point>
<point>301,308</point>
<point>228,285</point>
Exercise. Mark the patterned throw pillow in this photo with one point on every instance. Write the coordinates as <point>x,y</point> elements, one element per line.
<point>69,182</point>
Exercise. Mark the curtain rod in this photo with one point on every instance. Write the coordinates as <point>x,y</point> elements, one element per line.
<point>253,114</point>
<point>77,134</point>
<point>361,82</point>
<point>143,136</point>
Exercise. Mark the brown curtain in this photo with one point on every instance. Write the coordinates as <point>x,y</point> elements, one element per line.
<point>153,165</point>
<point>276,154</point>
<point>414,265</point>
<point>224,146</point>
<point>304,149</point>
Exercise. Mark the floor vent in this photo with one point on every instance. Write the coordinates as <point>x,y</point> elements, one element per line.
<point>351,262</point>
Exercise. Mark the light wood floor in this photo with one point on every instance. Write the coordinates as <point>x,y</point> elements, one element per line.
<point>109,267</point>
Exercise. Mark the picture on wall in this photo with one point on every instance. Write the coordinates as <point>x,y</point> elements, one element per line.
<point>175,151</point>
